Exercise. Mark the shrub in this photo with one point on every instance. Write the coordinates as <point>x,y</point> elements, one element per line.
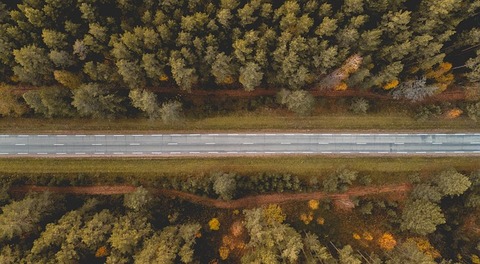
<point>225,185</point>
<point>414,90</point>
<point>473,111</point>
<point>171,112</point>
<point>340,180</point>
<point>359,106</point>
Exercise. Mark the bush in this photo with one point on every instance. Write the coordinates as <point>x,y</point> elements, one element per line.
<point>414,90</point>
<point>300,102</point>
<point>171,112</point>
<point>225,185</point>
<point>473,111</point>
<point>428,112</point>
<point>359,106</point>
<point>340,180</point>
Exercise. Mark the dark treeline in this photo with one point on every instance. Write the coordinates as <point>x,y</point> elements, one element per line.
<point>286,44</point>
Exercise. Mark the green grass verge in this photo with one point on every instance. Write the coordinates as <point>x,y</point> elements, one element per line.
<point>249,121</point>
<point>382,170</point>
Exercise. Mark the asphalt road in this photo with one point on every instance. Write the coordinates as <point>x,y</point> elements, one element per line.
<point>237,144</point>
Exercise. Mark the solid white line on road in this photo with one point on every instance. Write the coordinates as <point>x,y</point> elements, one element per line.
<point>210,143</point>
<point>22,153</point>
<point>80,135</point>
<point>247,143</point>
<point>134,144</point>
<point>251,152</point>
<point>440,134</point>
<point>285,143</point>
<point>156,153</point>
<point>118,153</point>
<point>157,135</point>
<point>345,134</point>
<point>326,152</point>
<point>96,144</point>
<point>42,153</point>
<point>194,152</point>
<point>460,134</point>
<point>3,153</point>
<point>307,152</point>
<point>289,134</point>
<point>287,152</point>
<point>58,144</point>
<point>384,134</point>
<point>383,152</point>
<point>23,135</point>
<point>137,153</point>
<point>213,135</point>
<point>363,152</point>
<point>459,152</point>
<point>99,153</point>
<point>402,152</point>
<point>172,143</point>
<point>251,135</point>
<point>118,135</point>
<point>175,135</point>
<point>61,153</point>
<point>233,134</point>
<point>213,152</point>
<point>326,134</point>
<point>437,143</point>
<point>345,152</point>
<point>137,135</point>
<point>270,152</point>
<point>99,135</point>
<point>420,152</point>
<point>19,144</point>
<point>422,134</point>
<point>79,153</point>
<point>403,135</point>
<point>194,135</point>
<point>175,152</point>
<point>42,135</point>
<point>61,135</point>
<point>232,152</point>
<point>440,152</point>
<point>4,135</point>
<point>270,134</point>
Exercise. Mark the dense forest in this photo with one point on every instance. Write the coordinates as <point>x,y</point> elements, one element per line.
<point>435,221</point>
<point>90,52</point>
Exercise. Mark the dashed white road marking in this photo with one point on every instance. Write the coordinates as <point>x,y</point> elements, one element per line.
<point>270,134</point>
<point>58,144</point>
<point>4,135</point>
<point>399,143</point>
<point>61,153</point>
<point>440,152</point>
<point>80,135</point>
<point>42,135</point>
<point>361,143</point>
<point>118,135</point>
<point>364,152</point>
<point>175,152</point>
<point>437,143</point>
<point>118,153</point>
<point>232,134</point>
<point>285,143</point>
<point>96,144</point>
<point>421,152</point>
<point>156,153</point>
<point>250,135</point>
<point>137,153</point>
<point>213,135</point>
<point>99,153</point>
<point>232,152</point>
<point>23,135</point>
<point>323,143</point>
<point>247,143</point>
<point>19,144</point>
<point>210,143</point>
<point>3,153</point>
<point>157,135</point>
<point>213,152</point>
<point>22,153</point>
<point>326,152</point>
<point>134,144</point>
<point>137,135</point>
<point>42,153</point>
<point>80,153</point>
<point>172,143</point>
<point>175,135</point>
<point>459,152</point>
<point>194,135</point>
<point>194,152</point>
<point>61,135</point>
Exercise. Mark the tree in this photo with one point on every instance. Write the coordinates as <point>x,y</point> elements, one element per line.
<point>96,231</point>
<point>340,180</point>
<point>140,200</point>
<point>250,76</point>
<point>33,65</point>
<point>93,100</point>
<point>408,253</point>
<point>171,112</point>
<point>145,101</point>
<point>427,192</point>
<point>473,111</point>
<point>300,102</point>
<point>414,90</point>
<point>270,239</point>
<point>225,185</point>
<point>421,217</point>
<point>50,102</point>
<point>314,251</point>
<point>10,104</point>
<point>128,232</point>
<point>451,182</point>
<point>172,241</point>
<point>347,256</point>
<point>21,218</point>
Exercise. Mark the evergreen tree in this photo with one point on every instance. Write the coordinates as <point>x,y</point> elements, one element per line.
<point>92,100</point>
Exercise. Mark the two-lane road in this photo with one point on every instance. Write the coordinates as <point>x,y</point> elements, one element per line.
<point>237,144</point>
